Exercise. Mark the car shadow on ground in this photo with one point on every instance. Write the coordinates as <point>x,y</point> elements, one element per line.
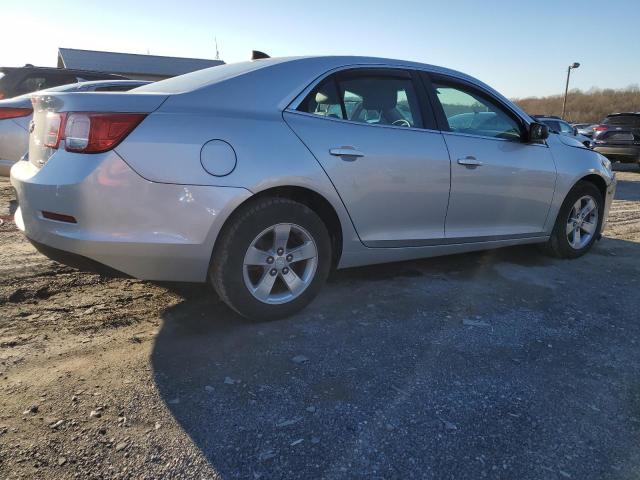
<point>483,364</point>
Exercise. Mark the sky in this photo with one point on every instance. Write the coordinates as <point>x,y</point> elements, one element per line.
<point>521,48</point>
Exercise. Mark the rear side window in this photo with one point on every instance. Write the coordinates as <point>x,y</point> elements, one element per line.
<point>471,113</point>
<point>324,101</point>
<point>374,99</point>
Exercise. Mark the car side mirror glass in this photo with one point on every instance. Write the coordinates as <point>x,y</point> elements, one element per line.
<point>538,131</point>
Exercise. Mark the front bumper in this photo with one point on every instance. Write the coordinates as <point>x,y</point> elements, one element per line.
<point>147,230</point>
<point>623,154</point>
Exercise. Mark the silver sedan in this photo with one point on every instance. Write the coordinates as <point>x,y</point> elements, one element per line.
<point>16,113</point>
<point>260,177</point>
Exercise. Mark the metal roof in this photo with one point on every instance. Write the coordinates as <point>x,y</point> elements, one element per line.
<point>131,62</point>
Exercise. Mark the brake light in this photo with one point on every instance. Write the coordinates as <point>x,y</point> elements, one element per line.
<point>53,128</point>
<point>2,96</point>
<point>600,128</point>
<point>98,132</point>
<point>14,112</point>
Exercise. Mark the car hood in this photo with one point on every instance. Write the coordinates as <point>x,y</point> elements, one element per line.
<point>570,141</point>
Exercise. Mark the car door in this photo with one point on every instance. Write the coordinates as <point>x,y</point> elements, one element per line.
<point>382,152</point>
<point>501,186</point>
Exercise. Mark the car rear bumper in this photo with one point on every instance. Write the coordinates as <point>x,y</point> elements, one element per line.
<point>147,230</point>
<point>623,154</point>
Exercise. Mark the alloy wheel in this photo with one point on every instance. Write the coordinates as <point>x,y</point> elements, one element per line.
<point>582,222</point>
<point>280,263</point>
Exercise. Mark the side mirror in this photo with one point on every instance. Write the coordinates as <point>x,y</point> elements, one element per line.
<point>575,132</point>
<point>537,132</point>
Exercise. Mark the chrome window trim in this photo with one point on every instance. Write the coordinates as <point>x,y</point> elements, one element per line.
<point>497,139</point>
<point>363,124</point>
<point>295,103</point>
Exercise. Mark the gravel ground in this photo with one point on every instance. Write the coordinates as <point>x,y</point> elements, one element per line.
<point>503,364</point>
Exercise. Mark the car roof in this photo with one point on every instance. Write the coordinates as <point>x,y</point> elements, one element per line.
<point>292,75</point>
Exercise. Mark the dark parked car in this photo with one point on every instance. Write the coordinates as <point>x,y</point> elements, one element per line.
<point>618,137</point>
<point>559,126</point>
<point>16,81</point>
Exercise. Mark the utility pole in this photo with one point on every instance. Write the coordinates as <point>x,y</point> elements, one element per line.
<point>566,88</point>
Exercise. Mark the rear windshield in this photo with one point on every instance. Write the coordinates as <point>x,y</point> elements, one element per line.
<point>194,80</point>
<point>631,120</point>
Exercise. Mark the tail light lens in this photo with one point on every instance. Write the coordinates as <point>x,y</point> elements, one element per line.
<point>98,132</point>
<point>600,128</point>
<point>14,112</point>
<point>53,129</point>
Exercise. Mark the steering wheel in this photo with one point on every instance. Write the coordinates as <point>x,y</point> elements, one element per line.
<point>401,122</point>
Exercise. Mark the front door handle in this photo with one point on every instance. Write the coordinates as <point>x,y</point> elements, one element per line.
<point>470,162</point>
<point>346,152</point>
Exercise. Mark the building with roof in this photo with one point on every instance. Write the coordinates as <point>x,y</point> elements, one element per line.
<point>131,65</point>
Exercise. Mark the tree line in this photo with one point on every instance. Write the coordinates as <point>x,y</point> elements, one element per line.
<point>585,107</point>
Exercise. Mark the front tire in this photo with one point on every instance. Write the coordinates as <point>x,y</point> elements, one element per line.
<point>578,223</point>
<point>272,259</point>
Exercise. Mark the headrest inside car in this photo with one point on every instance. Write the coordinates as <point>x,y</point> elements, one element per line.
<point>378,96</point>
<point>327,95</point>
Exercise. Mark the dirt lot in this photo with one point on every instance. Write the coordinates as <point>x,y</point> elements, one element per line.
<point>504,364</point>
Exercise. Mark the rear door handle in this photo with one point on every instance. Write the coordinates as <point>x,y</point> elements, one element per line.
<point>346,152</point>
<point>470,162</point>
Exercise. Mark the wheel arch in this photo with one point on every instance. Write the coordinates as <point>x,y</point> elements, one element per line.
<point>312,199</point>
<point>596,180</point>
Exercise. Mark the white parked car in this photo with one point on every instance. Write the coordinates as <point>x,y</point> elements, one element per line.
<point>16,114</point>
<point>262,176</point>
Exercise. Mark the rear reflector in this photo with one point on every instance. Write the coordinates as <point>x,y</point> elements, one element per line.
<point>58,217</point>
<point>14,112</point>
<point>98,132</point>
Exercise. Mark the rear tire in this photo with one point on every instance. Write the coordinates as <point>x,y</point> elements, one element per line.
<point>261,274</point>
<point>575,230</point>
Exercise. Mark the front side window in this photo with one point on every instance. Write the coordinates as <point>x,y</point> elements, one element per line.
<point>470,113</point>
<point>372,99</point>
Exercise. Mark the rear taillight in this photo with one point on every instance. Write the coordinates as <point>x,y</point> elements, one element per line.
<point>2,96</point>
<point>98,132</point>
<point>53,129</point>
<point>600,128</point>
<point>14,112</point>
<point>89,132</point>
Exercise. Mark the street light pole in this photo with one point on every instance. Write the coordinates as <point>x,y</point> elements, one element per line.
<point>566,88</point>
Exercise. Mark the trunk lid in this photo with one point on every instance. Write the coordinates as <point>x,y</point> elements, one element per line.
<point>47,104</point>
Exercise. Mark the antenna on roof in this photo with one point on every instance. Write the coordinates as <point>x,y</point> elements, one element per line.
<point>217,52</point>
<point>257,55</point>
